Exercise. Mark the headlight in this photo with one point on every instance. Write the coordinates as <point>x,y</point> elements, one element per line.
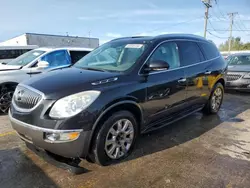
<point>247,75</point>
<point>73,104</point>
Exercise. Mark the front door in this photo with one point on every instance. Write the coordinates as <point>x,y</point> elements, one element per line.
<point>165,89</point>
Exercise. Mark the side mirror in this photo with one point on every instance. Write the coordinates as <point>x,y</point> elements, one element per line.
<point>42,64</point>
<point>157,65</point>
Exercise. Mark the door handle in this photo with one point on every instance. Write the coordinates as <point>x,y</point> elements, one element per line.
<point>208,72</point>
<point>182,80</point>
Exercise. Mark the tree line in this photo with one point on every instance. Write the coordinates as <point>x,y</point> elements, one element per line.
<point>237,45</point>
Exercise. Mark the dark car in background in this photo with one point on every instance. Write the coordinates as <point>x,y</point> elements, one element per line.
<point>97,108</point>
<point>238,76</point>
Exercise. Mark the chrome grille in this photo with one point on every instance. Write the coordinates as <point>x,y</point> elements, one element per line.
<point>25,98</point>
<point>233,77</point>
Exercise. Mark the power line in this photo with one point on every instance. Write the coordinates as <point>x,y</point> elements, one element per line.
<point>242,23</point>
<point>215,29</point>
<point>217,36</point>
<point>221,13</point>
<point>160,28</point>
<point>229,30</point>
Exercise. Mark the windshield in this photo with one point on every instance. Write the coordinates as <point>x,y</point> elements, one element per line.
<point>239,60</point>
<point>113,56</point>
<point>26,58</point>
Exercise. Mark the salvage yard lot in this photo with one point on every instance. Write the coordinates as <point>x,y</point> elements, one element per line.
<point>198,151</point>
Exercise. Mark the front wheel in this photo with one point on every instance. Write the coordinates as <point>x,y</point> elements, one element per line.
<point>215,100</point>
<point>115,138</point>
<point>5,100</point>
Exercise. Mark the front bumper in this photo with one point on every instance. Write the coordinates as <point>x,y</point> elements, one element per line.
<point>35,135</point>
<point>241,85</point>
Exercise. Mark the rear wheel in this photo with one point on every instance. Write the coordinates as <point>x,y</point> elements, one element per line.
<point>115,139</point>
<point>214,103</point>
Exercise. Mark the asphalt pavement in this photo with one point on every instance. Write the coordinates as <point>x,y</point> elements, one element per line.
<point>198,151</point>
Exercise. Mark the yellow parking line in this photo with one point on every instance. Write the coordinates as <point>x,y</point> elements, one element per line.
<point>7,133</point>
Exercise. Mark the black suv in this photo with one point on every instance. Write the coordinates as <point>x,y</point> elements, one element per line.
<point>97,108</point>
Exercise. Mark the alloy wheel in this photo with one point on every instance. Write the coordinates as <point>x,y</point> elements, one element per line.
<point>5,101</point>
<point>216,99</point>
<point>119,139</point>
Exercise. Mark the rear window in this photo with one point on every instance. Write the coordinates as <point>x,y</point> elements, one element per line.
<point>209,49</point>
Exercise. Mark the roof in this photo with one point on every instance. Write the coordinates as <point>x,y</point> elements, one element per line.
<point>40,34</point>
<point>64,48</point>
<point>166,36</point>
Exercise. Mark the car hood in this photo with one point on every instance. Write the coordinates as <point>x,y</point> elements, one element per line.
<point>239,68</point>
<point>67,81</point>
<point>9,67</point>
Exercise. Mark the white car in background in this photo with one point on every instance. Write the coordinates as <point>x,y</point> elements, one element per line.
<point>31,64</point>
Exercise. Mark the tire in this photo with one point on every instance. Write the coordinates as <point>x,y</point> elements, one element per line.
<point>209,107</point>
<point>5,99</point>
<point>100,146</point>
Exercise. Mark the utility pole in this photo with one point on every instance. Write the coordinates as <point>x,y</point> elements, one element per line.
<point>208,5</point>
<point>231,15</point>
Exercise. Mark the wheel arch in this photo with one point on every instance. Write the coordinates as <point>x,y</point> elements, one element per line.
<point>128,105</point>
<point>7,84</point>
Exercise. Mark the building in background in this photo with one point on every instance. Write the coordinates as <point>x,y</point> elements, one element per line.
<point>42,40</point>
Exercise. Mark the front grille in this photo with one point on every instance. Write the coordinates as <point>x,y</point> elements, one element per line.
<point>25,98</point>
<point>233,77</point>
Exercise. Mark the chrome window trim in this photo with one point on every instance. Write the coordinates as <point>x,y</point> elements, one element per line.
<point>28,110</point>
<point>35,128</point>
<point>173,40</point>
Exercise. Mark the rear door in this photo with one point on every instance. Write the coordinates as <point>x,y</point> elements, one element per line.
<point>192,61</point>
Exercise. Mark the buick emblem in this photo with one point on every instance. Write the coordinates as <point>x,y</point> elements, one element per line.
<point>19,95</point>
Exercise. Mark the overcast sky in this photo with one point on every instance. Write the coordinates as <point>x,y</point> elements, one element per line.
<point>108,19</point>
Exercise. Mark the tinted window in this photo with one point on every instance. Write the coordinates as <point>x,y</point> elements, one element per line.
<point>209,49</point>
<point>57,58</point>
<point>167,52</point>
<point>12,54</point>
<point>77,55</point>
<point>189,53</point>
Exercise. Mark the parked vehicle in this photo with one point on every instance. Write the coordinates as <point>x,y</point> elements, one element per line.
<point>7,53</point>
<point>96,108</point>
<point>32,64</point>
<point>238,76</point>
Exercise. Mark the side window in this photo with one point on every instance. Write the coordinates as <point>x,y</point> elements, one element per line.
<point>189,53</point>
<point>77,55</point>
<point>57,58</point>
<point>167,52</point>
<point>209,49</point>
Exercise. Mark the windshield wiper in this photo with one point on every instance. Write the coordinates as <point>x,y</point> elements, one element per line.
<point>94,69</point>
<point>3,63</point>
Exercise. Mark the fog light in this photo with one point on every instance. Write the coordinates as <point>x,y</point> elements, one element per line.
<point>61,137</point>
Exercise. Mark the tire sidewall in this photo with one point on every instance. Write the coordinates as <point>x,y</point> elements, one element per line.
<point>99,150</point>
